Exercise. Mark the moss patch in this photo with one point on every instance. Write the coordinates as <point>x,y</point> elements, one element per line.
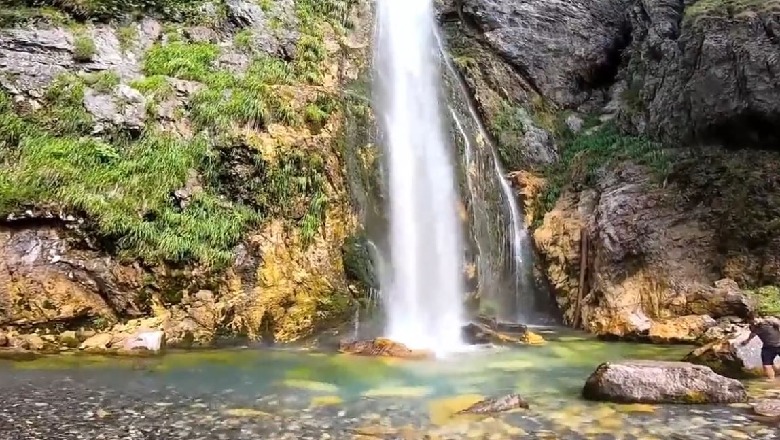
<point>103,10</point>
<point>768,298</point>
<point>584,156</point>
<point>730,8</point>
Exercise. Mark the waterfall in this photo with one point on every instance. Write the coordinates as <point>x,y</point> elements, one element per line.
<point>423,287</point>
<point>504,255</point>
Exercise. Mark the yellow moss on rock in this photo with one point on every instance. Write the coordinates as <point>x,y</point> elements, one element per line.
<point>299,286</point>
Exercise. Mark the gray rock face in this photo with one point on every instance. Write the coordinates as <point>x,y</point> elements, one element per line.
<point>703,77</point>
<point>661,382</point>
<point>564,48</point>
<point>266,36</point>
<point>126,109</point>
<point>31,59</point>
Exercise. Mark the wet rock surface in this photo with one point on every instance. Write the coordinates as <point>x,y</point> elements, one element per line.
<point>382,347</point>
<point>497,404</point>
<point>730,358</point>
<point>661,382</point>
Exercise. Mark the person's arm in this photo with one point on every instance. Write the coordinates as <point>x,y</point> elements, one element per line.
<point>747,341</point>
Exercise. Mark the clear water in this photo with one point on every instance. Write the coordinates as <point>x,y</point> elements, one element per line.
<point>338,395</point>
<point>422,287</point>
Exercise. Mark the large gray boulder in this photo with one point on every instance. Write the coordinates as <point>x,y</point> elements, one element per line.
<point>661,382</point>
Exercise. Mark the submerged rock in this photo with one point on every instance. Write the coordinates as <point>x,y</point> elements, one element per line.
<point>767,411</point>
<point>491,332</point>
<point>382,347</point>
<point>17,354</point>
<point>661,382</point>
<point>497,404</point>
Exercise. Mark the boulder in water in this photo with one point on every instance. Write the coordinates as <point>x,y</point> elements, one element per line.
<point>480,333</point>
<point>767,411</point>
<point>661,382</point>
<point>496,405</point>
<point>382,347</point>
<point>729,358</point>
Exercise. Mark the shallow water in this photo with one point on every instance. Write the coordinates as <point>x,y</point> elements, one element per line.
<point>254,393</point>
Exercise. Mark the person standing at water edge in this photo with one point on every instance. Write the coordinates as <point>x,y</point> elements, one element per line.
<point>768,331</point>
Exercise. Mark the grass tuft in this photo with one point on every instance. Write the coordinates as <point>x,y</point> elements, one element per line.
<point>583,156</point>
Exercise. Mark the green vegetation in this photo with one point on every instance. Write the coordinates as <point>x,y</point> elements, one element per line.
<point>729,8</point>
<point>101,10</point>
<point>127,36</point>
<point>124,186</point>
<point>768,298</point>
<point>83,48</point>
<point>583,156</point>
<point>508,127</point>
<point>102,81</point>
<point>20,15</point>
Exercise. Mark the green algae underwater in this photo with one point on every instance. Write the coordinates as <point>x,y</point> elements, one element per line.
<point>426,395</point>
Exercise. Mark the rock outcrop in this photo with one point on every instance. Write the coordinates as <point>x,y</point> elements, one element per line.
<point>661,382</point>
<point>175,175</point>
<point>704,71</point>
<point>565,49</point>
<point>669,237</point>
<point>650,258</point>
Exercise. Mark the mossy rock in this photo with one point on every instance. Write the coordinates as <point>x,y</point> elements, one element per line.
<point>358,264</point>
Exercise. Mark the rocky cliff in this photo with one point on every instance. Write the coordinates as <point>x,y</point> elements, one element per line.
<point>644,135</point>
<point>175,165</point>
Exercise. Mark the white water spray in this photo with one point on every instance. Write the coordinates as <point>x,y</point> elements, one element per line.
<point>424,292</point>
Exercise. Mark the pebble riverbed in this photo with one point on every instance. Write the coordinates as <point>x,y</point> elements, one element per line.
<point>56,405</point>
<point>260,395</point>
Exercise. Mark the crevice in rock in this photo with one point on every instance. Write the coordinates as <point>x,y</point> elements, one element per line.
<point>27,222</point>
<point>605,75</point>
<point>749,129</point>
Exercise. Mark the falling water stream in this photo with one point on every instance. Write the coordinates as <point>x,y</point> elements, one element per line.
<point>423,288</point>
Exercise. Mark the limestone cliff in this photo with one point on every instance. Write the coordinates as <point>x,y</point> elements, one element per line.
<point>644,136</point>
<point>175,165</point>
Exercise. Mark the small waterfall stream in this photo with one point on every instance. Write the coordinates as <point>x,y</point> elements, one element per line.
<point>503,255</point>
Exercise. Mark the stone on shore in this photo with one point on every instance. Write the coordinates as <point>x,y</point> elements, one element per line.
<point>661,382</point>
